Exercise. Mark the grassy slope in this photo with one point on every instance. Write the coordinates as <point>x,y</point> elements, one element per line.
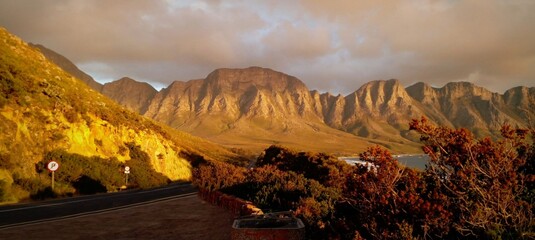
<point>304,137</point>
<point>42,109</point>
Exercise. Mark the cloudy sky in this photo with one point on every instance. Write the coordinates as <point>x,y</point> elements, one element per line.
<point>331,45</point>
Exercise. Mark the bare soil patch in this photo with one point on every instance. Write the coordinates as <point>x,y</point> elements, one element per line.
<point>185,218</point>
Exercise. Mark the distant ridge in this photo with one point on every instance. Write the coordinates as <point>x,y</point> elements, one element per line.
<point>130,93</point>
<point>68,66</point>
<point>44,110</point>
<point>257,106</point>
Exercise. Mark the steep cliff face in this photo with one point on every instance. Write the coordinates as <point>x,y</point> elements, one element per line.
<point>462,104</point>
<point>130,93</point>
<point>521,103</point>
<point>227,96</point>
<point>235,106</point>
<point>379,108</point>
<point>175,105</point>
<point>255,93</point>
<point>258,101</point>
<point>259,106</point>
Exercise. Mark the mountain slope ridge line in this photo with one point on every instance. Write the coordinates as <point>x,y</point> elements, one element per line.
<point>229,104</point>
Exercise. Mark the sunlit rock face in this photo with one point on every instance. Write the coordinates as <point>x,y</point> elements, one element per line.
<point>260,101</point>
<point>463,104</point>
<point>228,97</point>
<point>44,109</point>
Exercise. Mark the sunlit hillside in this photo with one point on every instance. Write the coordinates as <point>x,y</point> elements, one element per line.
<point>46,114</point>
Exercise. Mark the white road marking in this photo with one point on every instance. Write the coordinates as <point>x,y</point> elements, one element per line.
<point>84,200</point>
<point>102,211</point>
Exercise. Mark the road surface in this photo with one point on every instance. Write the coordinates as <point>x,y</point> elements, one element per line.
<point>20,214</point>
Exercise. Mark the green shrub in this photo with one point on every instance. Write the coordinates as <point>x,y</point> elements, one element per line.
<point>142,172</point>
<point>273,190</point>
<point>324,168</point>
<point>6,194</point>
<point>94,174</point>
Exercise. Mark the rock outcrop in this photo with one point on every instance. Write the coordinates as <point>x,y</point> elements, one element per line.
<point>240,107</point>
<point>132,94</point>
<point>43,109</point>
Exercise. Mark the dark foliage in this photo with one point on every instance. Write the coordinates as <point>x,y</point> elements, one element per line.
<point>44,193</point>
<point>472,189</point>
<point>89,175</point>
<point>87,185</point>
<point>486,184</point>
<point>324,168</point>
<point>143,174</point>
<point>273,190</point>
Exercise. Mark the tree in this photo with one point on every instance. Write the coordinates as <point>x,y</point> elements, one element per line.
<point>486,182</point>
<point>390,201</point>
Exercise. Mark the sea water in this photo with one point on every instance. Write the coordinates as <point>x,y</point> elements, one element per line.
<point>416,161</point>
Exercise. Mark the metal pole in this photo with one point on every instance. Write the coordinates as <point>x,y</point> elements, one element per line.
<point>126,181</point>
<point>52,180</point>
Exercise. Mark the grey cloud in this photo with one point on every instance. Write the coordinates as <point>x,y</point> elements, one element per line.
<point>331,45</point>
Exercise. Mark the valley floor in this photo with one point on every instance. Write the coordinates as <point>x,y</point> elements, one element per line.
<point>186,218</point>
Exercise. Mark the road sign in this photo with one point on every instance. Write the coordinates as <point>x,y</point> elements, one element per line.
<point>52,166</point>
<point>126,172</point>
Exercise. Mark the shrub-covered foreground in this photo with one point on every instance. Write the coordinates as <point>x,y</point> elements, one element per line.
<point>87,175</point>
<point>470,189</point>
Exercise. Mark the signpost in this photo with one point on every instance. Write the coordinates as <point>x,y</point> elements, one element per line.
<point>52,166</point>
<point>126,172</point>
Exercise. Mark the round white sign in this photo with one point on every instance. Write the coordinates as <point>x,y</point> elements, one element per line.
<point>52,166</point>
<point>127,168</point>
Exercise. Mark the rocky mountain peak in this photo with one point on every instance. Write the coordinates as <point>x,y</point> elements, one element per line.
<point>242,79</point>
<point>376,95</point>
<point>456,90</point>
<point>233,106</point>
<point>128,80</point>
<point>520,97</point>
<point>422,92</point>
<point>132,94</point>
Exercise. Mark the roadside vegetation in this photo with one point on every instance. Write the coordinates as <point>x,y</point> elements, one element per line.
<point>46,114</point>
<point>88,175</point>
<point>471,189</point>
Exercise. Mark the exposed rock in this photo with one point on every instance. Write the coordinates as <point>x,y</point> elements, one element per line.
<point>47,109</point>
<point>130,93</point>
<point>263,105</point>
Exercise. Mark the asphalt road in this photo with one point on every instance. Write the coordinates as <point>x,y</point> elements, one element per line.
<point>20,214</point>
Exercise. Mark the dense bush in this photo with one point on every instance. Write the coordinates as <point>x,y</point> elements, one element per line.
<point>273,190</point>
<point>88,175</point>
<point>390,201</point>
<point>213,176</point>
<point>488,185</point>
<point>326,169</point>
<point>73,167</point>
<point>470,189</point>
<point>38,188</point>
<point>143,174</point>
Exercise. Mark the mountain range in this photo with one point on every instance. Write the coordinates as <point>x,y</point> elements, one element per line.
<point>47,114</point>
<point>255,107</point>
